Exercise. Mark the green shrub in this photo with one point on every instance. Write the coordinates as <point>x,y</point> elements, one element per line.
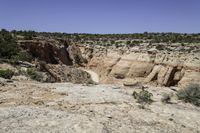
<point>160,47</point>
<point>22,56</point>
<point>128,42</point>
<point>7,74</point>
<point>34,74</point>
<point>8,45</point>
<point>190,94</point>
<point>143,97</point>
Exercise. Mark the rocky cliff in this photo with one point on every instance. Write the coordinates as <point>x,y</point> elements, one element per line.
<point>58,59</point>
<point>53,51</point>
<point>160,64</point>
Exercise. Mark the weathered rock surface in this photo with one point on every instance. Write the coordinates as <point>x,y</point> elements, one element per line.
<point>63,73</point>
<point>161,64</point>
<point>54,52</point>
<point>65,107</point>
<point>164,67</point>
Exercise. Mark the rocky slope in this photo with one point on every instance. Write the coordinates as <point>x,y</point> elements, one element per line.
<point>160,64</point>
<point>58,59</point>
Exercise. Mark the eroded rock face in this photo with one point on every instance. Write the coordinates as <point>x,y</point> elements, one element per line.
<point>165,68</point>
<point>63,73</point>
<point>53,52</point>
<point>190,76</point>
<point>58,59</point>
<point>147,63</point>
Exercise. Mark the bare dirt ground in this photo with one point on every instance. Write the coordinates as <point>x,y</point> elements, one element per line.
<point>65,107</point>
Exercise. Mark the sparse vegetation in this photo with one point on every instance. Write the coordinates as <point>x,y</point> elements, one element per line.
<point>143,97</point>
<point>105,38</point>
<point>8,45</point>
<point>7,74</point>
<point>190,94</point>
<point>33,74</point>
<point>160,47</point>
<point>22,56</point>
<point>9,48</point>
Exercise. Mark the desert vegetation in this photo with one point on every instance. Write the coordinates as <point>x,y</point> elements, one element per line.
<point>131,39</point>
<point>190,94</point>
<point>143,97</point>
<point>7,74</point>
<point>9,49</point>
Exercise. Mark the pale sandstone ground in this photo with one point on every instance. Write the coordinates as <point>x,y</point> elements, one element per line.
<point>65,107</point>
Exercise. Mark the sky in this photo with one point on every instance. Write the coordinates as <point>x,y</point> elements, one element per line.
<point>101,16</point>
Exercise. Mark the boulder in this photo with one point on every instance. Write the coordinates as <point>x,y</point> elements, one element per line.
<point>189,78</point>
<point>63,73</point>
<point>169,76</point>
<point>120,70</point>
<point>132,84</point>
<point>153,75</point>
<point>2,81</point>
<point>140,69</point>
<point>75,55</point>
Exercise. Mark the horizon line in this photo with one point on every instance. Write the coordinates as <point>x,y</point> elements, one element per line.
<point>151,32</point>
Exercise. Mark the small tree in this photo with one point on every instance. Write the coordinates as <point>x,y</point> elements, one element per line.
<point>8,45</point>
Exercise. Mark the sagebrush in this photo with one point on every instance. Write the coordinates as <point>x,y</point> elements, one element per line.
<point>190,94</point>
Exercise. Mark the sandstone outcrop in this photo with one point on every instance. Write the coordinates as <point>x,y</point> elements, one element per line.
<point>161,64</point>
<point>58,60</point>
<point>63,73</point>
<point>166,67</point>
<point>53,52</point>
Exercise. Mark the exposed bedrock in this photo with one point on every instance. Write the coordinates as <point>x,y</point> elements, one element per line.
<point>161,68</point>
<point>53,52</point>
<point>118,65</point>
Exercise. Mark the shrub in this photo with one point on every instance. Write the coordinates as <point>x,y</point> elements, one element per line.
<point>8,45</point>
<point>160,47</point>
<point>190,94</point>
<point>7,74</point>
<point>22,56</point>
<point>128,42</point>
<point>33,74</point>
<point>143,97</point>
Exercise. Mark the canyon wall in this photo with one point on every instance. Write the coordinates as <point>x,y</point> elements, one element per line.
<point>157,64</point>
<point>173,65</point>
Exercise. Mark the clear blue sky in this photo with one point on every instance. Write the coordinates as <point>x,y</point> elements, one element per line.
<point>101,16</point>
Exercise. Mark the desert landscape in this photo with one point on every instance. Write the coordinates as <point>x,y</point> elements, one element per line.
<point>102,83</point>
